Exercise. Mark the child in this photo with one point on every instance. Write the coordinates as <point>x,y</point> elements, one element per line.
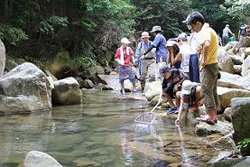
<point>190,96</point>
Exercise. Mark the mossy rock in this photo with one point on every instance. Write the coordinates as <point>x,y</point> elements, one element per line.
<point>60,64</point>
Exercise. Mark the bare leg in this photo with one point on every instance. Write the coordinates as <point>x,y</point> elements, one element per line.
<point>170,100</point>
<point>122,87</point>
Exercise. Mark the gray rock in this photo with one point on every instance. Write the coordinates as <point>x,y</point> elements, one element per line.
<point>225,61</point>
<point>40,159</point>
<point>152,89</point>
<point>104,87</point>
<point>244,163</point>
<point>237,69</point>
<point>87,83</point>
<point>245,42</point>
<point>245,66</point>
<point>226,94</point>
<point>66,92</point>
<point>2,58</point>
<point>222,155</point>
<point>237,60</point>
<point>60,65</point>
<point>204,129</point>
<point>227,114</point>
<point>25,87</point>
<point>240,120</point>
<point>229,162</point>
<point>247,51</point>
<point>228,80</point>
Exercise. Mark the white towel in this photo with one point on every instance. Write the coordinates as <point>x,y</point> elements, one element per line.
<point>122,54</point>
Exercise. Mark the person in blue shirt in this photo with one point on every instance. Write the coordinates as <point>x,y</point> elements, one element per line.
<point>160,44</point>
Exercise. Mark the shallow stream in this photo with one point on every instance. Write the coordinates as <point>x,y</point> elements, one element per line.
<point>101,132</point>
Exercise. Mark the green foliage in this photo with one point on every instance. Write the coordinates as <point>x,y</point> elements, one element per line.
<point>244,143</point>
<point>239,10</point>
<point>84,60</point>
<point>48,25</point>
<point>12,35</point>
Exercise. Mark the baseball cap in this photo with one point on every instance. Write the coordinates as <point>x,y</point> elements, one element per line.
<point>193,17</point>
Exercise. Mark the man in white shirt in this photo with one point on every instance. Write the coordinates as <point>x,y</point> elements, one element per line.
<point>225,35</point>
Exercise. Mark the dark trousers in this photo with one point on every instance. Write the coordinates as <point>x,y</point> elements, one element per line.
<point>194,74</point>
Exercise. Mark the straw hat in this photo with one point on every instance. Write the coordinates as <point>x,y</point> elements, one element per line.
<point>145,35</point>
<point>125,41</point>
<point>156,28</point>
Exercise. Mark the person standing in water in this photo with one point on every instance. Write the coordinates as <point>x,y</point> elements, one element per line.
<point>123,56</point>
<point>145,62</point>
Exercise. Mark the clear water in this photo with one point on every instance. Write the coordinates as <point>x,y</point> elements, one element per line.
<point>101,132</point>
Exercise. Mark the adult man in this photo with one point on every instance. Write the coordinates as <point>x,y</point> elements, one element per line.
<point>225,35</point>
<point>145,62</point>
<point>123,56</point>
<point>2,58</point>
<point>160,44</point>
<point>208,63</point>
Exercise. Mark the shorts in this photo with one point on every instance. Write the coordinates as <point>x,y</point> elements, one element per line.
<point>126,72</point>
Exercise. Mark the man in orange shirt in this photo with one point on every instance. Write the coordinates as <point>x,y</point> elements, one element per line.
<point>208,64</point>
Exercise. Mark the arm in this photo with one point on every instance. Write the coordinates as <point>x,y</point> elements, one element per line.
<point>231,32</point>
<point>206,50</point>
<point>117,56</point>
<point>177,121</point>
<point>138,52</point>
<point>149,49</point>
<point>176,59</point>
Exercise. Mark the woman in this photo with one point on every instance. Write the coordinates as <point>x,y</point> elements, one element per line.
<point>190,98</point>
<point>174,59</point>
<point>123,56</point>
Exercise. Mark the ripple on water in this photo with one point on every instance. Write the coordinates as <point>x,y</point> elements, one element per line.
<point>101,132</point>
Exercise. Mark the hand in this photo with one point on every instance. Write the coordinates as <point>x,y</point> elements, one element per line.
<point>177,122</point>
<point>142,57</point>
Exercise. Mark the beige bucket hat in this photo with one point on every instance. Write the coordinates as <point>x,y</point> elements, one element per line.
<point>145,35</point>
<point>125,41</point>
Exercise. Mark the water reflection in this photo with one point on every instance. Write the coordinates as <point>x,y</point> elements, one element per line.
<point>100,132</point>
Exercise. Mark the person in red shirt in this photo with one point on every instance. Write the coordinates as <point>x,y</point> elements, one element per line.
<point>123,56</point>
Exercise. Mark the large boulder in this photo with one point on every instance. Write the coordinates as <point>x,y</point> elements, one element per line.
<point>152,89</point>
<point>240,120</point>
<point>40,159</point>
<point>228,80</point>
<point>24,88</point>
<point>245,42</point>
<point>60,65</point>
<point>66,92</point>
<point>2,58</point>
<point>237,69</point>
<point>247,51</point>
<point>204,129</point>
<point>237,60</point>
<point>246,67</point>
<point>226,94</point>
<point>225,61</point>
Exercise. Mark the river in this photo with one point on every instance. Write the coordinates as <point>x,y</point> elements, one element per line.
<point>101,132</point>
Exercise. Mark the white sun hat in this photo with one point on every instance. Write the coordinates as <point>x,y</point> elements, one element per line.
<point>171,43</point>
<point>125,41</point>
<point>187,86</point>
<point>145,35</point>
